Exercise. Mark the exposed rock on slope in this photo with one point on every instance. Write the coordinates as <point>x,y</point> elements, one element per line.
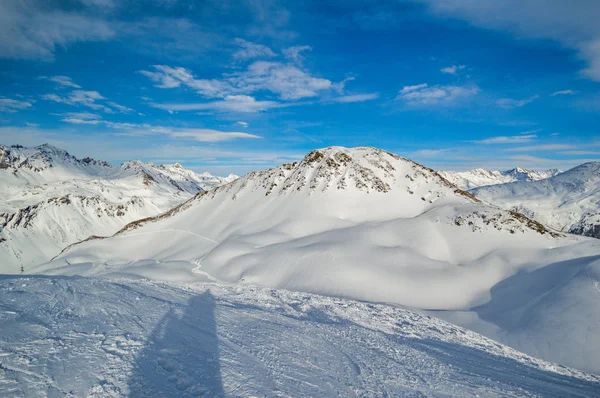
<point>50,199</point>
<point>568,202</point>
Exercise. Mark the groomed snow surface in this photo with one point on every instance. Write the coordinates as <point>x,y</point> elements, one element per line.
<point>70,336</point>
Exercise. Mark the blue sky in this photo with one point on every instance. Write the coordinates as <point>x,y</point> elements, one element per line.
<point>234,86</point>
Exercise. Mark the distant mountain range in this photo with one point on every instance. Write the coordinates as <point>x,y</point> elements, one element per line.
<point>568,202</point>
<point>50,199</point>
<point>481,177</point>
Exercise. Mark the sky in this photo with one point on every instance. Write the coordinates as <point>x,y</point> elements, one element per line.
<point>231,86</point>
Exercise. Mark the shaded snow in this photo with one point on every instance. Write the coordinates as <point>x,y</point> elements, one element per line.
<point>101,338</point>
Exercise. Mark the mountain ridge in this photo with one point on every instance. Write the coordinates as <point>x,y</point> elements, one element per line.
<point>51,199</point>
<point>474,178</point>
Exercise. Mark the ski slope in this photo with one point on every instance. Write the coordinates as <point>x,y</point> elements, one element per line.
<point>71,336</point>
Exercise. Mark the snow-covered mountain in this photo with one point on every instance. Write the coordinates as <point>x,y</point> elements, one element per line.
<point>568,202</point>
<point>481,177</point>
<point>92,337</point>
<point>366,224</point>
<point>50,199</point>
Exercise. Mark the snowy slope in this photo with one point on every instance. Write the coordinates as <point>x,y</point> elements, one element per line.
<point>569,202</point>
<point>50,199</point>
<point>363,224</point>
<point>481,177</point>
<point>114,338</point>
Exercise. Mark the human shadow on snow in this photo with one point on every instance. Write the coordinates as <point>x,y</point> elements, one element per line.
<point>181,357</point>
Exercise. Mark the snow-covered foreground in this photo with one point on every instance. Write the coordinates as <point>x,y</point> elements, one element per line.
<point>72,336</point>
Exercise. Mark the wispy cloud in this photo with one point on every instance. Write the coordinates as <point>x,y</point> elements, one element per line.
<point>580,152</point>
<point>563,92</point>
<point>508,103</point>
<point>231,103</point>
<point>572,24</point>
<point>287,81</point>
<point>243,124</point>
<point>141,130</point>
<point>30,31</point>
<point>356,98</point>
<point>89,99</point>
<point>208,135</point>
<point>453,70</point>
<point>515,139</point>
<point>429,153</point>
<point>295,53</point>
<point>63,81</point>
<point>251,50</point>
<point>12,105</point>
<point>423,94</point>
<point>544,147</point>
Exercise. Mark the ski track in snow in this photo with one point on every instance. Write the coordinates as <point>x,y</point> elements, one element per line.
<point>167,230</point>
<point>595,283</point>
<point>74,336</point>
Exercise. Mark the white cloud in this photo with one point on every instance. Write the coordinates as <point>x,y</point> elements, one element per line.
<point>572,24</point>
<point>515,139</point>
<point>452,70</point>
<point>429,153</point>
<point>408,89</point>
<point>12,105</point>
<point>231,103</point>
<point>423,94</point>
<point>81,118</point>
<point>30,31</point>
<point>356,98</point>
<point>64,81</point>
<point>508,103</point>
<point>88,99</point>
<point>294,53</point>
<point>563,92</point>
<point>208,135</point>
<point>251,50</point>
<point>144,129</point>
<point>545,147</point>
<point>171,77</point>
<point>120,108</point>
<point>287,81</point>
<point>596,153</point>
<point>243,124</point>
